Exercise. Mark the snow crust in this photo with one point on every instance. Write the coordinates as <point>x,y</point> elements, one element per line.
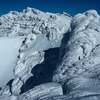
<point>78,69</point>
<point>8,57</point>
<point>31,33</point>
<point>49,56</point>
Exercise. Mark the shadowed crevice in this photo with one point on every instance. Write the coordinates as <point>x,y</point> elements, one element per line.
<point>43,73</point>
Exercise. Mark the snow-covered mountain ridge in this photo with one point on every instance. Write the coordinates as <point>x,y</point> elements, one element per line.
<point>33,21</point>
<point>57,56</point>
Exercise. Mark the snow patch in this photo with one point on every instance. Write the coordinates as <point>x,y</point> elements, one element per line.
<point>9,47</point>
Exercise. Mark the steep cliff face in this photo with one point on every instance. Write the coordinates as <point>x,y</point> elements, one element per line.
<point>58,55</point>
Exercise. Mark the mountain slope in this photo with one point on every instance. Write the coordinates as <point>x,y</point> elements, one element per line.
<point>58,55</point>
<point>42,34</point>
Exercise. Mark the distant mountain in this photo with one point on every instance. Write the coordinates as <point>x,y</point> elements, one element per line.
<point>46,56</point>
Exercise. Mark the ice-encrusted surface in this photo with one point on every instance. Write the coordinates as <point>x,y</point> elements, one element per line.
<point>42,91</point>
<point>33,21</point>
<point>41,72</point>
<point>46,33</point>
<point>42,34</point>
<point>79,69</point>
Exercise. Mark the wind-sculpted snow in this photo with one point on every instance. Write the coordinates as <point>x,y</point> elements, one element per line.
<point>42,91</point>
<point>42,34</point>
<point>58,58</point>
<point>79,69</point>
<point>33,47</point>
<point>34,21</point>
<point>37,93</point>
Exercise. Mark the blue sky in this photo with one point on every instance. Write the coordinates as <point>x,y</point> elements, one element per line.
<point>56,6</point>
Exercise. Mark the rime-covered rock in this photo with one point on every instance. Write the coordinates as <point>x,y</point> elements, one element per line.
<point>41,32</point>
<point>40,72</point>
<point>79,68</point>
<point>42,91</point>
<point>34,21</point>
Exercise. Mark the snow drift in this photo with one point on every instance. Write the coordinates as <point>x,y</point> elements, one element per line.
<point>8,57</point>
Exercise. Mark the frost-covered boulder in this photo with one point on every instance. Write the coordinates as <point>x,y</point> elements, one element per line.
<point>79,67</point>
<point>37,93</point>
<point>42,91</point>
<point>31,20</point>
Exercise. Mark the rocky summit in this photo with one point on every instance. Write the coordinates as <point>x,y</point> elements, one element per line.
<point>47,56</point>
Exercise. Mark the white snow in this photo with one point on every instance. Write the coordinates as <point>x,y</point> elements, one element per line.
<point>77,69</point>
<point>42,91</point>
<point>9,47</point>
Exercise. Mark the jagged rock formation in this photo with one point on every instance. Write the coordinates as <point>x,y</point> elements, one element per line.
<point>41,73</point>
<point>41,31</point>
<point>78,70</point>
<point>42,91</point>
<point>47,29</point>
<point>35,22</point>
